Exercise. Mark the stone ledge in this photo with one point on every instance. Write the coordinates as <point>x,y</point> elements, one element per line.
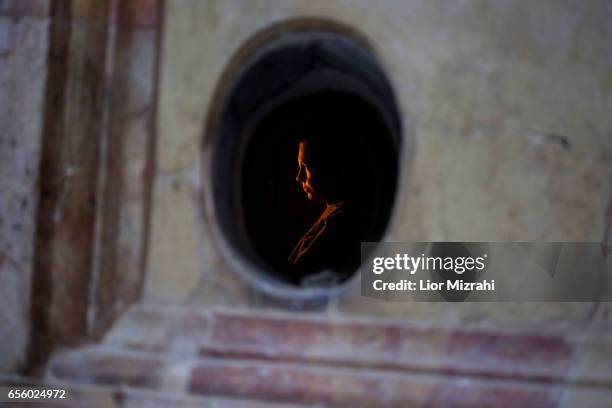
<point>399,346</point>
<point>338,387</point>
<point>297,383</point>
<point>365,343</point>
<point>289,358</point>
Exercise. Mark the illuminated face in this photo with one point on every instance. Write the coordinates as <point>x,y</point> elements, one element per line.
<point>305,174</point>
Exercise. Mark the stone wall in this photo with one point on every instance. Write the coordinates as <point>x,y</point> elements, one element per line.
<point>94,169</point>
<point>507,136</point>
<point>77,83</point>
<point>506,128</point>
<point>23,71</point>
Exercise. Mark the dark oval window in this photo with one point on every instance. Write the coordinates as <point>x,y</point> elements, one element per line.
<point>305,159</point>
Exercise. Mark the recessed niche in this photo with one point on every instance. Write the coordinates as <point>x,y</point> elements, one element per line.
<point>327,89</point>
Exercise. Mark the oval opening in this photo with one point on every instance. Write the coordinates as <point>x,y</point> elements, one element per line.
<point>323,93</point>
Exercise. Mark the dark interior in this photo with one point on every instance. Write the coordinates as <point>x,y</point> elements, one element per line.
<point>276,210</point>
<point>308,82</point>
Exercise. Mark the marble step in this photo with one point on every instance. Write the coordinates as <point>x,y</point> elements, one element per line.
<point>339,361</point>
<point>294,383</point>
<point>367,343</point>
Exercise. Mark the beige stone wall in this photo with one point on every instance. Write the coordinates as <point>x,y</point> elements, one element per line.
<point>506,114</point>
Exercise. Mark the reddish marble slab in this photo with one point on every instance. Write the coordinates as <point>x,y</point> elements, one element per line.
<point>392,346</point>
<point>357,388</point>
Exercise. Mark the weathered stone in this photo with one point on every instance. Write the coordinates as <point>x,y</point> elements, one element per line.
<point>337,362</point>
<point>174,203</point>
<point>23,70</point>
<point>126,181</point>
<point>498,111</point>
<point>154,329</point>
<point>106,367</point>
<point>96,396</point>
<point>366,343</point>
<point>25,8</point>
<point>140,13</point>
<point>74,106</point>
<point>148,399</point>
<point>585,397</point>
<point>595,364</point>
<point>85,11</point>
<point>505,108</point>
<point>341,388</point>
<point>95,168</point>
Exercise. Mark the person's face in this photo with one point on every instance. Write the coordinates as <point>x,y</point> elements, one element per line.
<point>305,174</point>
